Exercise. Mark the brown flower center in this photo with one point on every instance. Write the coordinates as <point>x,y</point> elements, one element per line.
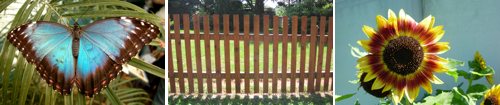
<point>491,100</point>
<point>403,55</point>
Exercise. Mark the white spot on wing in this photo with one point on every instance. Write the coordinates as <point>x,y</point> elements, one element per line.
<point>142,23</point>
<point>123,17</point>
<point>137,28</point>
<point>30,25</point>
<point>133,32</point>
<point>127,20</point>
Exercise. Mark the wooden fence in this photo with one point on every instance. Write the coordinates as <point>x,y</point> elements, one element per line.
<point>315,45</point>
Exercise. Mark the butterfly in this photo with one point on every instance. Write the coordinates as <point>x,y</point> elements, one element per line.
<point>89,56</point>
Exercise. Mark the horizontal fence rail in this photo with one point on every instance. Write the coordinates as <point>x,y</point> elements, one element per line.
<point>249,54</point>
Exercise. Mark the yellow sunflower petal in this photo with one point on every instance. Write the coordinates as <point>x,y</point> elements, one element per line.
<point>436,63</point>
<point>369,76</point>
<point>397,95</point>
<point>392,15</point>
<point>387,87</point>
<point>393,19</point>
<point>427,87</point>
<point>402,14</point>
<point>412,93</point>
<point>436,80</point>
<point>381,21</point>
<point>438,48</point>
<point>438,34</point>
<point>377,84</point>
<point>409,18</point>
<point>364,44</point>
<point>369,31</point>
<point>490,79</point>
<point>427,22</point>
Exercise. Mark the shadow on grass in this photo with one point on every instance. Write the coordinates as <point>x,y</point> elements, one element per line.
<point>275,99</point>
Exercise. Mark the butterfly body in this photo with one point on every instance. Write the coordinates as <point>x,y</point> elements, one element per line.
<point>89,57</point>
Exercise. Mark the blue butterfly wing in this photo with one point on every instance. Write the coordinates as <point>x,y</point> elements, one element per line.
<point>47,45</point>
<point>105,45</point>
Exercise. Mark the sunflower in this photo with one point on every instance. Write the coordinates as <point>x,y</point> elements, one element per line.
<point>402,56</point>
<point>492,96</point>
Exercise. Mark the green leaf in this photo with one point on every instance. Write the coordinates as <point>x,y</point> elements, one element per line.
<point>147,67</point>
<point>444,98</point>
<point>484,72</point>
<point>452,68</point>
<point>112,97</point>
<point>357,102</point>
<point>102,3</point>
<point>477,88</point>
<point>343,97</point>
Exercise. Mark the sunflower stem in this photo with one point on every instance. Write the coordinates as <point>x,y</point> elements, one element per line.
<point>470,83</point>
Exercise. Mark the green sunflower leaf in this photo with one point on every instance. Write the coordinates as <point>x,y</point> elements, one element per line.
<point>477,88</point>
<point>444,98</point>
<point>343,97</point>
<point>452,68</point>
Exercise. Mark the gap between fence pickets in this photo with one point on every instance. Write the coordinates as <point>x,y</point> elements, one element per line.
<point>249,95</point>
<point>250,75</point>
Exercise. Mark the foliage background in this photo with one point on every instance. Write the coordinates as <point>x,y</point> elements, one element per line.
<point>20,84</point>
<point>470,26</point>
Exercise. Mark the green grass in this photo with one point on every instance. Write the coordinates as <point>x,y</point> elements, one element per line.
<point>301,99</point>
<point>241,56</point>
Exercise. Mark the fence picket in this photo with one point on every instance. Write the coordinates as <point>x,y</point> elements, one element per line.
<point>246,30</point>
<point>187,42</point>
<point>312,55</point>
<point>170,59</point>
<point>294,53</point>
<point>266,53</point>
<point>256,44</point>
<point>303,53</point>
<point>329,54</point>
<point>284,42</point>
<point>196,25</point>
<point>321,41</point>
<point>217,53</point>
<point>275,53</point>
<point>206,39</point>
<point>178,52</point>
<point>236,31</point>
<point>227,53</point>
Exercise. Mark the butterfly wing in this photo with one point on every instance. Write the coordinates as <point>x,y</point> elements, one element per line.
<point>47,45</point>
<point>105,45</point>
